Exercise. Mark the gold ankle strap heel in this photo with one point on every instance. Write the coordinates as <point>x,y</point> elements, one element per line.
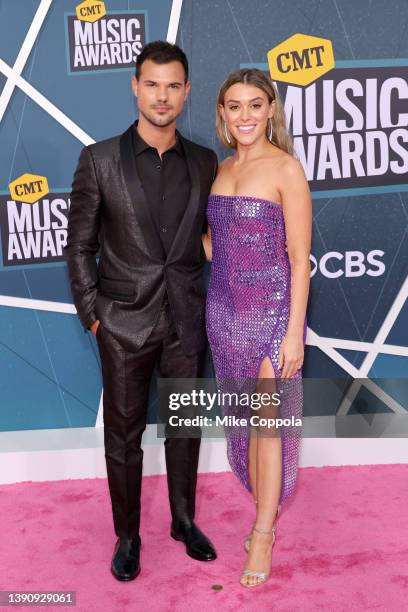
<point>247,540</point>
<point>261,576</point>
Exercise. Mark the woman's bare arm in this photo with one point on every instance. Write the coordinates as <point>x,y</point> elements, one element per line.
<point>297,210</point>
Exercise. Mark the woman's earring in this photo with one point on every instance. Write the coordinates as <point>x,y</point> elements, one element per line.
<point>227,136</point>
<point>270,130</point>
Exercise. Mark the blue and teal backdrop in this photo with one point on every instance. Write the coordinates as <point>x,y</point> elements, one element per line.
<point>65,82</point>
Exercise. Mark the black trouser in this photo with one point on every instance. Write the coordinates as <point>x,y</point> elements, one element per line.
<point>126,381</point>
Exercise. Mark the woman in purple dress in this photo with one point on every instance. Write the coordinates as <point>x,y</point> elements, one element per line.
<point>259,238</point>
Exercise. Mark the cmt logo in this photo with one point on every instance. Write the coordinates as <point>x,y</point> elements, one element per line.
<point>90,10</point>
<point>29,188</point>
<point>301,59</point>
<point>351,264</point>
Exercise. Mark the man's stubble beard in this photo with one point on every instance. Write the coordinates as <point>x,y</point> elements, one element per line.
<point>154,122</point>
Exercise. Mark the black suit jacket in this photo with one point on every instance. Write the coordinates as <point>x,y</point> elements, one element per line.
<point>109,213</point>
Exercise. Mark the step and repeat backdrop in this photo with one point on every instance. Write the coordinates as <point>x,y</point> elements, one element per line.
<point>341,68</point>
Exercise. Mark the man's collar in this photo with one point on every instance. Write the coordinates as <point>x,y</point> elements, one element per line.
<point>141,145</point>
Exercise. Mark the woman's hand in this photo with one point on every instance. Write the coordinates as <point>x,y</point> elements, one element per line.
<point>291,355</point>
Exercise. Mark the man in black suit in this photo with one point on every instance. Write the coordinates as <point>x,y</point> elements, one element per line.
<point>140,198</point>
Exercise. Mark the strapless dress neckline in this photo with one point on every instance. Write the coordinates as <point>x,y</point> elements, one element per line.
<point>243,197</point>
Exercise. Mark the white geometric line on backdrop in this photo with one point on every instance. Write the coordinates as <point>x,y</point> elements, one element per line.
<point>174,21</point>
<point>47,106</point>
<point>23,54</point>
<point>374,351</point>
<point>385,328</point>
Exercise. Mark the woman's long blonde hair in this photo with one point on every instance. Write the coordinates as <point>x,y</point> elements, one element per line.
<point>253,76</point>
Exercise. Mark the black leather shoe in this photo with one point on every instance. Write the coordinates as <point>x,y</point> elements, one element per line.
<point>198,546</point>
<point>126,559</point>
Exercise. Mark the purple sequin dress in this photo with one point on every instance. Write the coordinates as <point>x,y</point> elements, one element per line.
<point>247,315</point>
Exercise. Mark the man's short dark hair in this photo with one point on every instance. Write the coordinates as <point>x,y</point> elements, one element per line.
<point>161,52</point>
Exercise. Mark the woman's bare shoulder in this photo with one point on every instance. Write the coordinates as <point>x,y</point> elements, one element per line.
<point>290,166</point>
<point>226,163</point>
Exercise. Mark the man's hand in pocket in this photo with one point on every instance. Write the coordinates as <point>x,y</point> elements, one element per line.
<point>94,327</point>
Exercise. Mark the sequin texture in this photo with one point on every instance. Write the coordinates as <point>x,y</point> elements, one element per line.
<point>247,315</point>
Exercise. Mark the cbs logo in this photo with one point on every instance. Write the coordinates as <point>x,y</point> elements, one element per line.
<point>350,264</point>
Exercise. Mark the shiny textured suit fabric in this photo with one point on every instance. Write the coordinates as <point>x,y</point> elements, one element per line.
<point>126,380</point>
<point>150,302</point>
<point>247,315</point>
<point>109,211</point>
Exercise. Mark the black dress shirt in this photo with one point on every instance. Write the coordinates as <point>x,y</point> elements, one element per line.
<point>166,183</point>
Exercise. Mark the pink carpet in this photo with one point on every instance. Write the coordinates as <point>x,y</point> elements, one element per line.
<point>342,544</point>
